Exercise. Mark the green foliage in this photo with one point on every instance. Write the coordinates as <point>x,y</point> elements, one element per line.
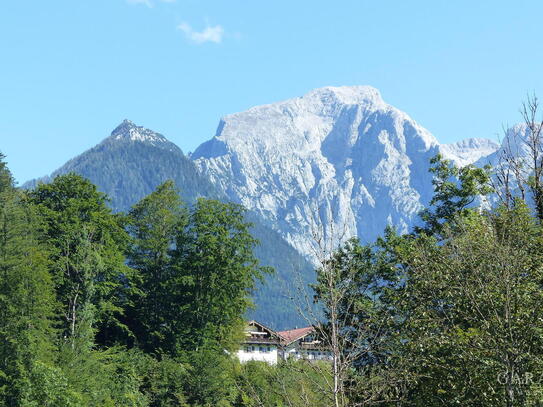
<point>155,224</point>
<point>26,296</point>
<point>455,189</point>
<point>48,387</point>
<point>210,381</point>
<point>86,250</point>
<point>6,179</point>
<point>447,316</point>
<point>165,381</point>
<point>82,326</point>
<point>128,171</point>
<point>196,272</point>
<point>458,314</point>
<point>290,383</point>
<point>473,306</point>
<point>217,272</point>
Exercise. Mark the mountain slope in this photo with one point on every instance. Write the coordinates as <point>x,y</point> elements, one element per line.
<point>133,161</point>
<point>339,157</point>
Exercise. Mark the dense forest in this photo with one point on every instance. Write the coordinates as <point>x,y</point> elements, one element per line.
<point>146,308</point>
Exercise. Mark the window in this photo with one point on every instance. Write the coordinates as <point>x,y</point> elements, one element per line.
<point>269,349</point>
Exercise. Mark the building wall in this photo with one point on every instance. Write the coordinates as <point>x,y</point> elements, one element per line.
<point>292,351</point>
<point>258,353</point>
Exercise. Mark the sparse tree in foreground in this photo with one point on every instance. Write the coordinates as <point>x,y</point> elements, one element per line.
<point>519,171</point>
<point>351,320</point>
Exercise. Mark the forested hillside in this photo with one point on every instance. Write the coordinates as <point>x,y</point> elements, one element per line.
<point>133,161</point>
<point>143,308</point>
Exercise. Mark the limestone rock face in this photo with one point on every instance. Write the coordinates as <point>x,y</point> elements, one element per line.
<point>337,158</point>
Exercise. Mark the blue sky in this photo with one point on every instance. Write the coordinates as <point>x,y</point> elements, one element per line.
<point>71,70</point>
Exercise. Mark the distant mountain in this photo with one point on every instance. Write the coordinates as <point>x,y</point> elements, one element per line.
<point>469,151</point>
<point>339,157</point>
<point>133,161</point>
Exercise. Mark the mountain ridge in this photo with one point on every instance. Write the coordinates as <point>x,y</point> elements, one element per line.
<point>338,156</point>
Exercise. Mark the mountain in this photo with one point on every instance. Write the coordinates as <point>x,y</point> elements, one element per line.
<point>469,151</point>
<point>516,140</point>
<point>339,158</point>
<point>133,161</point>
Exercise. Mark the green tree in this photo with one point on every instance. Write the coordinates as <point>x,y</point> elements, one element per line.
<point>455,190</point>
<point>292,383</point>
<point>27,301</point>
<point>87,263</point>
<point>356,289</point>
<point>217,272</point>
<point>471,307</point>
<point>154,225</point>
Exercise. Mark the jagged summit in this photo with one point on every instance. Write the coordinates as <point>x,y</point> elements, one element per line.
<point>129,131</point>
<point>337,156</point>
<point>348,95</point>
<point>304,122</point>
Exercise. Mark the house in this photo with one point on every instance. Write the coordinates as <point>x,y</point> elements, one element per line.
<point>265,345</point>
<point>260,344</point>
<point>302,343</point>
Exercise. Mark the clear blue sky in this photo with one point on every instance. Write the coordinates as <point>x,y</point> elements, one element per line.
<point>71,70</point>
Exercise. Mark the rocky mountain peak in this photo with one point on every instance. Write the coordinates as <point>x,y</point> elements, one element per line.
<point>347,95</point>
<point>129,131</point>
<point>338,156</point>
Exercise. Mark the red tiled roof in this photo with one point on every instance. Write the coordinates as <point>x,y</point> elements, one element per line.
<point>295,334</point>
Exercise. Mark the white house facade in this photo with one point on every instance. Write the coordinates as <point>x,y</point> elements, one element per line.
<point>265,345</point>
<point>260,344</point>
